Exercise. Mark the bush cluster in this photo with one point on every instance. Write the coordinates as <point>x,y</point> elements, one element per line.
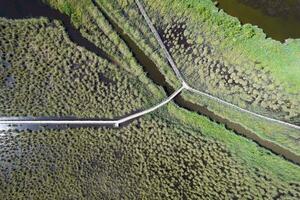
<point>149,159</point>
<point>44,74</point>
<point>250,87</point>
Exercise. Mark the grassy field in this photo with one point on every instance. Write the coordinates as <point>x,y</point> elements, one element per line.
<point>244,150</point>
<point>95,27</point>
<point>284,136</point>
<point>206,64</point>
<point>233,35</point>
<point>253,72</point>
<point>215,53</point>
<point>170,155</point>
<point>44,74</point>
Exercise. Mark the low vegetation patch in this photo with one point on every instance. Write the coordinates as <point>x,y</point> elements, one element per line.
<point>44,74</point>
<point>150,159</point>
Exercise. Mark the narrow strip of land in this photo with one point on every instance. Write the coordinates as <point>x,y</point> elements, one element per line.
<point>184,83</point>
<point>158,38</point>
<point>242,109</point>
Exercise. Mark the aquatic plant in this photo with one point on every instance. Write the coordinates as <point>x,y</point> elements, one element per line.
<point>51,76</point>
<point>149,159</point>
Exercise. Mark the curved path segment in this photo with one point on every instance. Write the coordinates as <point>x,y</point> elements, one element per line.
<point>186,86</point>
<point>116,123</point>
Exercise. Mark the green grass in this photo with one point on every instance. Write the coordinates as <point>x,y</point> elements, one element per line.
<point>248,41</point>
<point>282,135</point>
<point>92,20</point>
<point>232,41</point>
<point>67,7</point>
<point>264,76</point>
<point>243,149</point>
<point>205,22</point>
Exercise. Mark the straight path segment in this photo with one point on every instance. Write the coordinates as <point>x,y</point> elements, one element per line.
<point>95,122</point>
<point>242,109</point>
<point>159,40</point>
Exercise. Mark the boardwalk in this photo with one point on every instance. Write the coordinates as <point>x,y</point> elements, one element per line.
<point>186,86</point>
<point>116,123</point>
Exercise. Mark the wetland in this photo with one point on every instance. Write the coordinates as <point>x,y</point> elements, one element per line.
<point>34,8</point>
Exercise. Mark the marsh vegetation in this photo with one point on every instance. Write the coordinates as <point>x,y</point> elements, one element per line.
<point>200,52</point>
<point>44,74</point>
<point>191,34</point>
<point>152,158</point>
<point>249,87</point>
<point>171,154</point>
<point>246,83</point>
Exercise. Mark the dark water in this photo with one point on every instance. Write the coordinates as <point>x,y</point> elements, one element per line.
<point>22,8</point>
<point>238,129</point>
<point>280,19</point>
<point>148,65</point>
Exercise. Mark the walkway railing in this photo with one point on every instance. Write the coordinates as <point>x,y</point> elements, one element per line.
<point>184,83</point>
<point>116,123</point>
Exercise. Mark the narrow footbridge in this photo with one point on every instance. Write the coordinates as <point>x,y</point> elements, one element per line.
<point>116,123</point>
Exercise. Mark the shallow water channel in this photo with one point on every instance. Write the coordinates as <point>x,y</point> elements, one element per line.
<point>33,8</point>
<point>280,19</point>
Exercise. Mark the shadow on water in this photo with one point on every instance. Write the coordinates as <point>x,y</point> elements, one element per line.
<point>21,9</point>
<point>280,19</point>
